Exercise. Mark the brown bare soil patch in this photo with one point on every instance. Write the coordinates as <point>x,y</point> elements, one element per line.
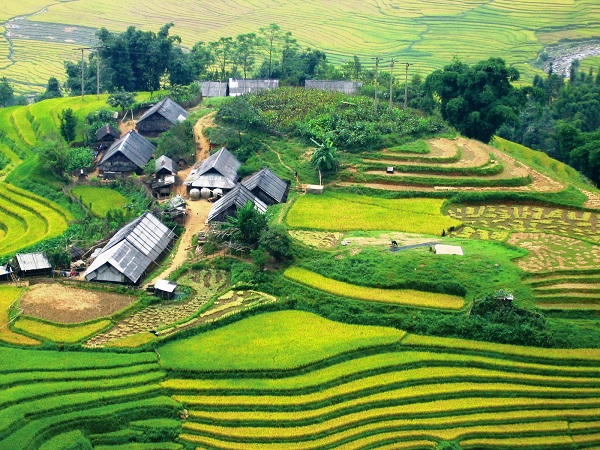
<point>64,304</point>
<point>593,200</point>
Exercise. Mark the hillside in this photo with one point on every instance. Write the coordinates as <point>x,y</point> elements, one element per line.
<point>423,33</point>
<point>356,335</point>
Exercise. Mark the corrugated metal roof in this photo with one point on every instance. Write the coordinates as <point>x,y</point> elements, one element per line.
<point>240,87</point>
<point>213,181</point>
<point>164,162</point>
<point>269,183</point>
<point>165,285</point>
<point>238,196</point>
<point>33,261</point>
<point>107,130</point>
<point>175,202</point>
<point>223,162</point>
<point>213,88</point>
<point>133,248</point>
<point>442,249</point>
<point>168,109</point>
<point>134,147</point>
<point>347,87</point>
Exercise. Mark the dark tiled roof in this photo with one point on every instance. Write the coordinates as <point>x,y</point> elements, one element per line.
<point>222,162</point>
<point>133,248</point>
<point>168,109</point>
<point>238,196</point>
<point>164,162</point>
<point>107,130</point>
<point>134,147</point>
<point>269,183</point>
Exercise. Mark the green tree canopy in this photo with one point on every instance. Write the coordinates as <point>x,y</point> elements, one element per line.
<point>324,158</point>
<point>475,99</point>
<point>68,123</point>
<point>6,92</point>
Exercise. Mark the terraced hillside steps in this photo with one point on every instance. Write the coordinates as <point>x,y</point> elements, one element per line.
<point>48,393</point>
<point>567,291</point>
<point>412,394</point>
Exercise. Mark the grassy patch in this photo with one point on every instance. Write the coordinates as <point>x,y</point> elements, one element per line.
<point>397,296</point>
<point>99,199</point>
<point>280,340</point>
<point>8,295</point>
<point>342,212</point>
<point>59,333</point>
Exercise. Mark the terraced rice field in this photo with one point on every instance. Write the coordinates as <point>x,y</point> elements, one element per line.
<point>567,291</point>
<point>450,165</point>
<point>26,218</point>
<point>412,392</point>
<point>407,297</point>
<point>108,397</point>
<point>99,199</point>
<point>355,212</point>
<point>515,218</point>
<point>428,34</point>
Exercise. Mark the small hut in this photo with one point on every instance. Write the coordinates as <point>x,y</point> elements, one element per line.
<point>32,264</point>
<point>165,289</point>
<point>442,249</point>
<point>164,166</point>
<point>106,135</point>
<point>164,176</point>
<point>219,170</point>
<point>161,117</point>
<point>236,198</point>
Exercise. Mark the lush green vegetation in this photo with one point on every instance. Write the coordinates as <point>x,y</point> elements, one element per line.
<point>99,200</point>
<point>294,339</point>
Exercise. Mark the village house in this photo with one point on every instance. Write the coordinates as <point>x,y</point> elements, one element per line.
<point>131,251</point>
<point>165,172</point>
<point>129,154</point>
<point>268,187</point>
<point>161,117</point>
<point>346,87</point>
<point>217,172</point>
<point>106,135</point>
<point>240,87</point>
<point>32,264</point>
<point>230,202</point>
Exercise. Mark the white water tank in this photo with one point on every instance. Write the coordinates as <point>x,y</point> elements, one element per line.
<point>205,193</point>
<point>218,192</point>
<point>195,194</point>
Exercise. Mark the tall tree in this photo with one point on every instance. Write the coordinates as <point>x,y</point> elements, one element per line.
<point>6,92</point>
<point>244,54</point>
<point>68,123</point>
<point>202,58</point>
<point>272,36</point>
<point>476,99</point>
<point>222,51</point>
<point>324,158</point>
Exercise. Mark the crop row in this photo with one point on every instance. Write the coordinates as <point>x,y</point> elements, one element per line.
<point>431,180</point>
<point>397,296</point>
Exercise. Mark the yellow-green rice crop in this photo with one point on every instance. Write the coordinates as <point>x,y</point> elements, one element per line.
<point>562,441</point>
<point>398,296</point>
<point>8,295</point>
<point>344,212</point>
<point>60,333</point>
<point>99,199</point>
<point>582,354</point>
<point>278,340</point>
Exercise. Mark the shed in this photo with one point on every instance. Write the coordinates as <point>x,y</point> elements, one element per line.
<point>219,170</point>
<point>442,249</point>
<point>390,169</point>
<point>314,189</point>
<point>107,134</point>
<point>213,88</point>
<point>175,207</point>
<point>161,117</point>
<point>165,289</point>
<point>165,166</point>
<point>33,264</point>
<point>230,202</point>
<point>131,251</point>
<point>268,187</point>
<point>347,87</point>
<point>240,87</point>
<point>163,186</point>
<point>131,153</point>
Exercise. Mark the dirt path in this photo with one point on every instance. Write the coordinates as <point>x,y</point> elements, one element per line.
<point>197,211</point>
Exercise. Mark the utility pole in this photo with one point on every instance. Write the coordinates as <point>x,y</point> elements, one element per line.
<point>391,81</point>
<point>98,73</point>
<point>82,84</point>
<point>83,72</point>
<point>376,71</point>
<point>406,85</point>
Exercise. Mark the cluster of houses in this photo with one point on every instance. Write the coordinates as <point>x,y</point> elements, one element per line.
<point>234,87</point>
